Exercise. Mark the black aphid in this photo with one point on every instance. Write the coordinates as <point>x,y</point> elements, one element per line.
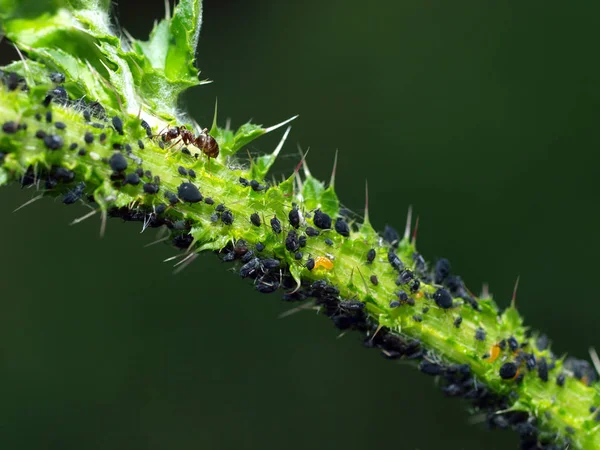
<point>513,344</point>
<point>227,217</point>
<point>322,220</point>
<point>442,298</point>
<point>442,270</point>
<point>310,231</point>
<point>117,162</point>
<point>431,368</point>
<point>87,115</point>
<point>192,173</point>
<point>255,219</point>
<point>402,296</point>
<point>294,217</point>
<point>480,334</point>
<point>371,255</point>
<point>40,134</point>
<point>543,369</point>
<point>266,286</point>
<point>256,186</point>
<point>189,193</point>
<point>88,137</point>
<point>417,318</point>
<point>420,264</point>
<point>530,361</point>
<point>128,148</point>
<point>82,152</point>
<point>243,181</point>
<point>458,321</point>
<point>182,171</point>
<point>57,77</point>
<point>10,127</point>
<point>298,256</point>
<point>329,242</point>
<point>394,304</point>
<point>250,268</point>
<point>394,260</point>
<point>117,146</point>
<point>60,125</point>
<point>405,277</point>
<point>73,146</point>
<point>342,227</point>
<point>270,264</point>
<point>209,201</point>
<point>508,371</point>
<point>132,178</point>
<point>53,142</point>
<point>49,116</point>
<point>542,342</point>
<point>260,247</point>
<point>220,207</point>
<point>302,240</point>
<point>310,263</point>
<point>275,225</point>
<point>171,197</point>
<point>150,188</point>
<point>117,123</point>
<point>560,379</point>
<point>248,255</point>
<point>291,241</point>
<point>374,280</point>
<point>160,208</point>
<point>391,235</point>
<point>75,194</point>
<point>415,285</point>
<point>140,144</point>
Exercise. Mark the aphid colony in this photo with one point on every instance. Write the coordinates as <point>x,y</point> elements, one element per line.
<point>263,262</point>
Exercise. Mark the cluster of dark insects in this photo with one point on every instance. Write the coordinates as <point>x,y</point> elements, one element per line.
<point>271,273</point>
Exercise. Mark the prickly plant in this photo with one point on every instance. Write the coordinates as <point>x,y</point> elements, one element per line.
<point>90,115</point>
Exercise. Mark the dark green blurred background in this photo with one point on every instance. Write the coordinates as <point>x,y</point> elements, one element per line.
<point>483,116</point>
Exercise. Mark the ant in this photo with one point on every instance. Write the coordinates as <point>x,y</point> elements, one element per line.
<point>204,141</point>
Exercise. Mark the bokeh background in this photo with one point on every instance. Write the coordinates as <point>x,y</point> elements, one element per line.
<point>482,115</point>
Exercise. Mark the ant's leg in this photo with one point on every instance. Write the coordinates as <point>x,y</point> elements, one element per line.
<point>168,153</point>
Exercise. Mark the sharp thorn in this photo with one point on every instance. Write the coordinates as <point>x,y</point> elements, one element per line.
<point>302,163</point>
<point>281,142</point>
<point>366,220</point>
<point>335,160</point>
<point>82,218</point>
<point>408,223</point>
<point>274,127</point>
<point>513,302</point>
<point>214,124</point>
<point>595,359</point>
<point>414,236</point>
<point>29,202</point>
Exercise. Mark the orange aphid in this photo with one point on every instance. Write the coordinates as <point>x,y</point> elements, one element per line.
<point>325,263</point>
<point>419,295</point>
<point>494,353</point>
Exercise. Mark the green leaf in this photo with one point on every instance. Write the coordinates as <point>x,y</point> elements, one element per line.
<point>184,31</point>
